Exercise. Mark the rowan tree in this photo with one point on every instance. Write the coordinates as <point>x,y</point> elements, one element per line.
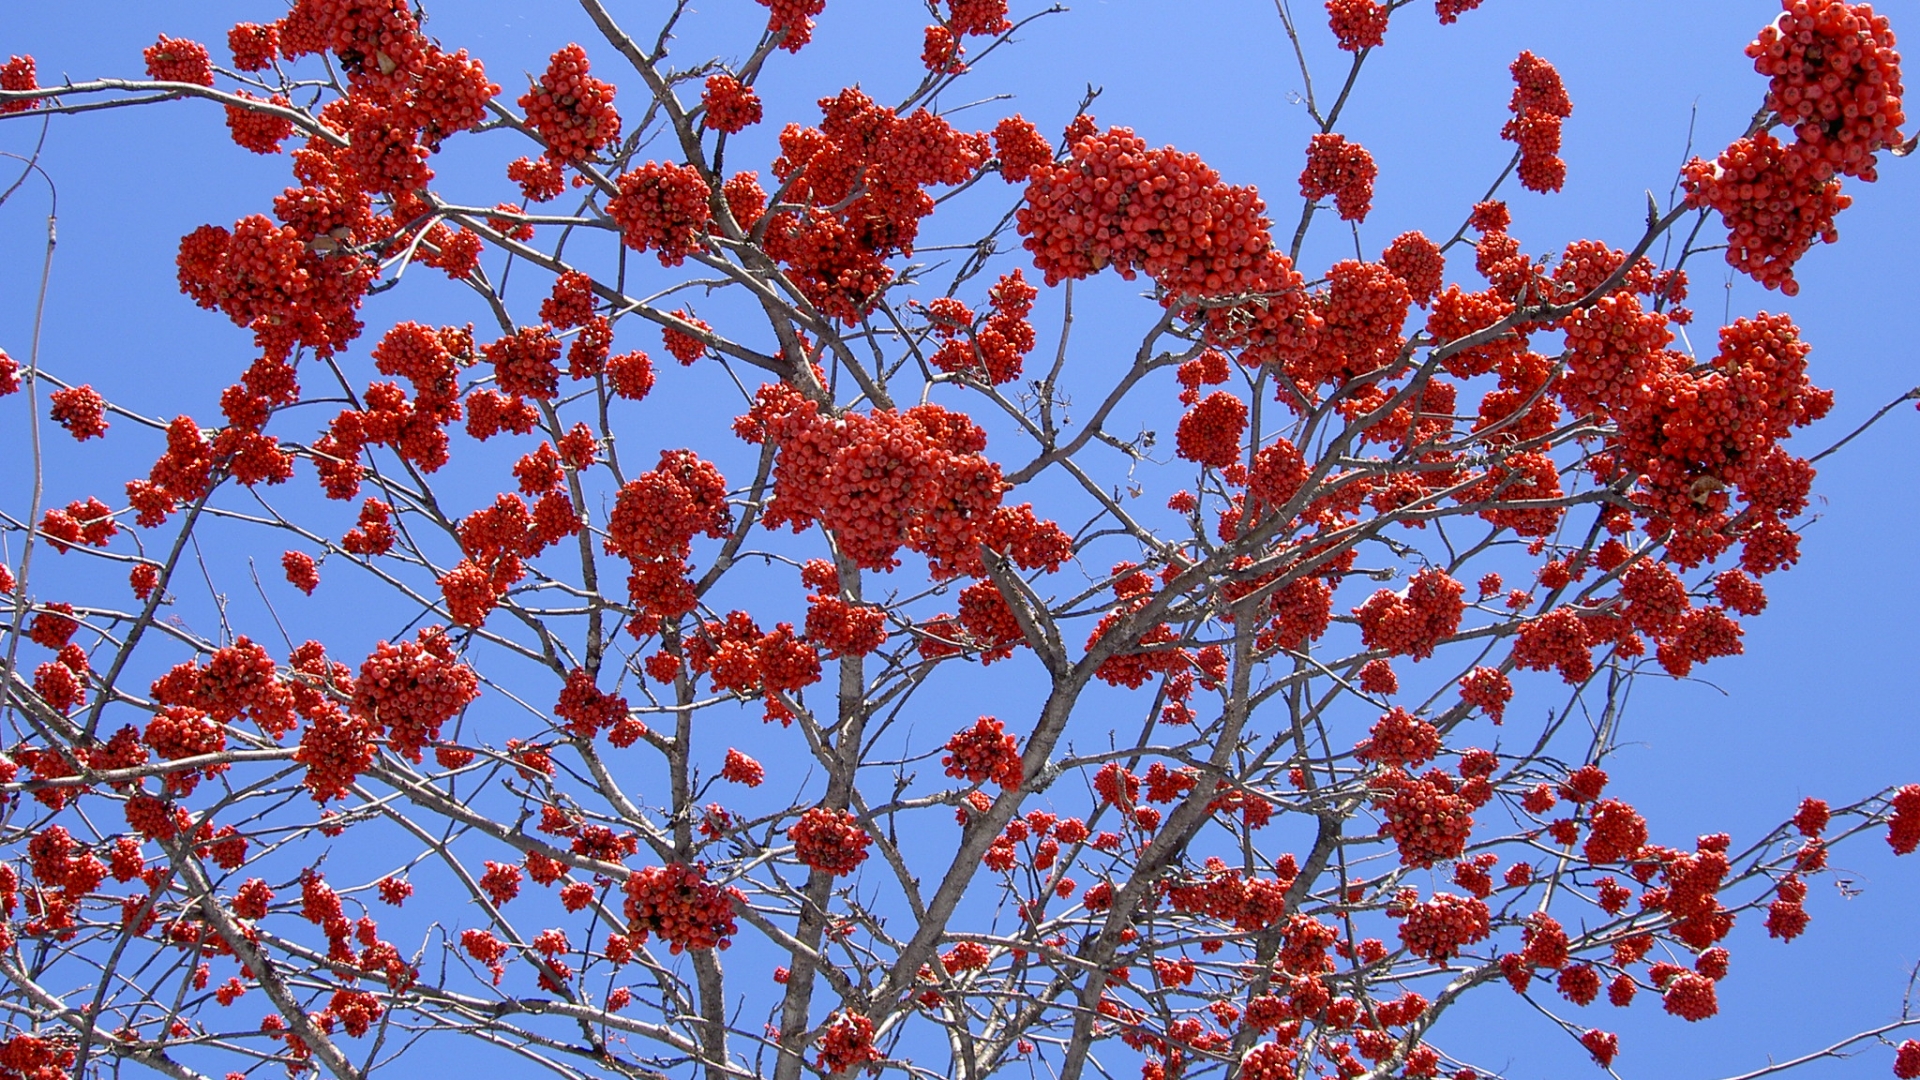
<point>660,762</point>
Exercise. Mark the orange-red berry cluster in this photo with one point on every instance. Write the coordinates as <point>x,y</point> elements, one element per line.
<point>1341,170</point>
<point>570,109</point>
<point>1539,105</point>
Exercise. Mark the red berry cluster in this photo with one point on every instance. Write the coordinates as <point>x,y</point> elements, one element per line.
<point>570,109</point>
<point>678,903</point>
<point>1425,816</point>
<point>87,521</point>
<point>412,688</point>
<point>662,208</point>
<point>1617,833</point>
<point>1835,81</point>
<point>179,60</point>
<point>260,132</point>
<point>1400,739</point>
<point>254,45</point>
<point>1342,170</point>
<point>1211,432</point>
<point>300,570</point>
<point>654,521</point>
<point>861,176</point>
<point>830,841</point>
<point>1438,929</point>
<point>18,74</point>
<point>1776,205</point>
<point>999,346</point>
<point>1021,149</point>
<point>794,19</point>
<point>586,708</point>
<point>1695,436</point>
<point>731,105</point>
<point>846,1043</point>
<point>1557,640</point>
<point>541,179</point>
<point>984,752</point>
<point>843,628</point>
<point>1411,625</point>
<point>741,769</point>
<point>1611,350</point>
<point>1357,24</point>
<point>887,480</point>
<point>743,660</point>
<point>239,680</point>
<point>81,410</point>
<point>1906,1060</point>
<point>336,747</point>
<point>1166,213</point>
<point>1903,825</point>
<point>1417,262</point>
<point>60,686</point>
<point>1451,10</point>
<point>1362,308</point>
<point>524,362</point>
<point>1539,105</point>
<point>1488,690</point>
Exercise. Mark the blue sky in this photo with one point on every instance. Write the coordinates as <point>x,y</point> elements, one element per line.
<point>1822,702</point>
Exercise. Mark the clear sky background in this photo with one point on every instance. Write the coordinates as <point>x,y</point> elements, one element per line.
<point>1821,704</point>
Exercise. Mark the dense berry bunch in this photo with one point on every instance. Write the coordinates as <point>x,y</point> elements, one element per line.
<point>1166,214</point>
<point>1357,24</point>
<point>1903,830</point>
<point>81,410</point>
<point>586,708</point>
<point>258,131</point>
<point>239,680</point>
<point>662,208</point>
<point>1835,81</point>
<point>741,769</point>
<point>844,628</point>
<point>1400,739</point>
<point>1426,818</point>
<point>1539,105</point>
<point>1775,204</point>
<point>1417,262</point>
<point>1451,10</point>
<point>678,904</point>
<point>743,660</point>
<point>1558,641</point>
<point>794,19</point>
<point>830,841</point>
<point>1413,624</point>
<point>412,688</point>
<point>888,480</point>
<point>1342,170</point>
<point>17,74</point>
<point>1488,690</point>
<point>1362,308</point>
<point>524,362</point>
<point>998,347</point>
<point>846,1043</point>
<point>571,110</point>
<point>179,60</point>
<point>254,45</point>
<point>731,106</point>
<point>1021,149</point>
<point>654,521</point>
<point>984,752</point>
<point>301,572</point>
<point>1211,432</point>
<point>861,178</point>
<point>1441,927</point>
